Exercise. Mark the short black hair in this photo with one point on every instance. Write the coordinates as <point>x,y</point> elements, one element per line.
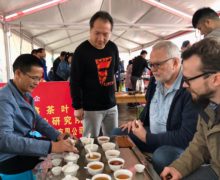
<point>63,53</point>
<point>24,62</point>
<point>39,50</point>
<point>202,13</point>
<point>208,50</point>
<point>185,43</point>
<point>143,52</point>
<point>34,51</point>
<point>103,15</point>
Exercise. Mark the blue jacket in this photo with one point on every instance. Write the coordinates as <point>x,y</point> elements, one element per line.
<point>17,119</point>
<point>63,70</point>
<point>181,122</point>
<point>43,62</point>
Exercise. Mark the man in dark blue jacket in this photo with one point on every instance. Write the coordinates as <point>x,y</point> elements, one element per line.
<point>168,122</point>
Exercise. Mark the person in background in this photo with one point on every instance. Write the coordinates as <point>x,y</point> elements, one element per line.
<point>139,64</point>
<point>70,59</point>
<point>41,54</point>
<point>63,70</point>
<point>207,21</point>
<point>128,83</point>
<point>56,64</point>
<point>92,78</point>
<point>34,52</point>
<point>50,74</point>
<point>201,160</point>
<point>168,122</point>
<point>20,150</point>
<point>185,45</point>
<point>118,75</point>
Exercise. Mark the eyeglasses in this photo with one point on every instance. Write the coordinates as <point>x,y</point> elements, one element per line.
<point>187,80</point>
<point>34,78</point>
<point>157,65</point>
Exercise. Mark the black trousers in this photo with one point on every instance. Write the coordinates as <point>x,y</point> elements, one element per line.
<point>18,164</point>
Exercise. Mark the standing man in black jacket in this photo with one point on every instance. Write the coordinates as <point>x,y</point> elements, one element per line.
<point>168,122</point>
<point>139,64</point>
<point>92,78</point>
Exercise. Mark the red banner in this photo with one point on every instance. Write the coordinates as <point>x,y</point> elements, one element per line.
<point>53,103</point>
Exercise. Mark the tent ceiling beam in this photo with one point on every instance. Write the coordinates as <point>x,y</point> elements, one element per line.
<point>48,44</point>
<point>126,39</point>
<point>33,9</point>
<point>80,40</point>
<point>169,9</point>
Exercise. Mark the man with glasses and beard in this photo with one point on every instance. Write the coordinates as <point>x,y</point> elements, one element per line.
<point>201,70</point>
<point>168,122</point>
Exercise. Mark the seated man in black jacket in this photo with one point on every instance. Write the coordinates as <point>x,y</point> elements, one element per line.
<point>168,122</point>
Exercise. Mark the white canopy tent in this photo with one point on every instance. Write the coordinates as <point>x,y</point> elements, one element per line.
<point>61,25</point>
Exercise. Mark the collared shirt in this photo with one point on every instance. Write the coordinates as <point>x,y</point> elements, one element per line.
<point>160,105</point>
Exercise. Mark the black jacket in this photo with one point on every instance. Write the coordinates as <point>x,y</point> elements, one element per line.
<point>181,122</point>
<point>139,63</point>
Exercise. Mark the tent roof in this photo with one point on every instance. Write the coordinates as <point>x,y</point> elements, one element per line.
<point>138,23</point>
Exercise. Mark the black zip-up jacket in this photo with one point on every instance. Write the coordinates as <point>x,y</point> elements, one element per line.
<point>181,122</point>
<point>139,63</point>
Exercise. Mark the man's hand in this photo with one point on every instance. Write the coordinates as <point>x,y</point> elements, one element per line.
<point>170,173</point>
<point>63,146</point>
<point>126,126</point>
<point>63,136</point>
<point>79,113</point>
<point>139,130</point>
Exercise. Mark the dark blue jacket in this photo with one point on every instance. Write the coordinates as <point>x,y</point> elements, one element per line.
<point>181,122</point>
<point>43,62</point>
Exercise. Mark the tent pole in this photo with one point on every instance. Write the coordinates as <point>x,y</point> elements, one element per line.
<point>110,6</point>
<point>7,49</point>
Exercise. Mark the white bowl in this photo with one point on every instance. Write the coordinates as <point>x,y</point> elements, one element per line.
<point>86,140</point>
<point>139,168</point>
<point>103,139</point>
<point>92,147</point>
<point>97,157</point>
<point>56,170</point>
<point>70,169</point>
<point>108,146</point>
<point>121,172</point>
<point>97,176</point>
<point>112,154</point>
<point>56,156</point>
<point>71,157</point>
<point>116,163</point>
<point>95,167</point>
<point>69,177</point>
<point>56,162</point>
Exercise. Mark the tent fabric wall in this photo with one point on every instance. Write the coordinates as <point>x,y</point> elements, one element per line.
<point>3,72</point>
<point>64,25</point>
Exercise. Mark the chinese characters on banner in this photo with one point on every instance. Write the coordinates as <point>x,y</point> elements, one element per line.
<point>53,103</point>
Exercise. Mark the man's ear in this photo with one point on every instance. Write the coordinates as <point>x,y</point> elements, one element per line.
<point>208,23</point>
<point>216,79</point>
<point>17,73</point>
<point>176,62</point>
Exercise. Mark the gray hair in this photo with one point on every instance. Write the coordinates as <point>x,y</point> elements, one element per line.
<point>171,49</point>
